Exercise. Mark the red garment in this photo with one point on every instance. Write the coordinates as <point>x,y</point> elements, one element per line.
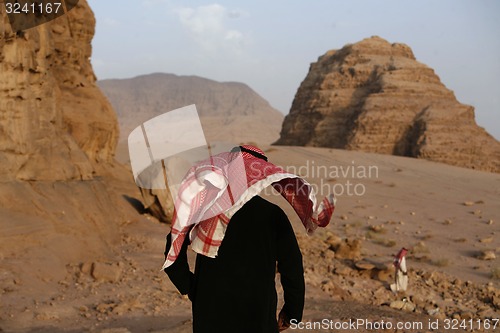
<point>215,189</point>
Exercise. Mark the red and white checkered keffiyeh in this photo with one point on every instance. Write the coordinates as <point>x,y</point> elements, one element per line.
<point>214,190</point>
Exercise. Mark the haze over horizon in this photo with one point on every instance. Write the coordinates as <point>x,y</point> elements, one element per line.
<point>269,45</point>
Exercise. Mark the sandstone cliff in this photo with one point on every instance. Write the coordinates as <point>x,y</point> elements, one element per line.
<point>55,124</point>
<point>375,96</point>
<point>62,197</point>
<point>230,111</point>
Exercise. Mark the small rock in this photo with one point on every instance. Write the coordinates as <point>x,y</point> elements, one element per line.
<point>329,255</point>
<point>334,241</point>
<point>106,272</point>
<point>364,265</point>
<point>385,275</point>
<point>377,228</point>
<point>121,308</point>
<point>487,313</point>
<point>403,305</point>
<point>47,315</point>
<point>486,240</point>
<point>433,311</point>
<point>349,249</point>
<point>86,267</point>
<point>420,247</point>
<point>105,307</point>
<point>468,203</point>
<point>487,255</point>
<point>429,282</point>
<point>381,294</point>
<point>457,282</point>
<point>334,290</point>
<point>467,315</point>
<point>343,271</point>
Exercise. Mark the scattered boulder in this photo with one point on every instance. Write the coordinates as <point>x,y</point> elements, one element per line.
<point>334,290</point>
<point>487,255</point>
<point>106,272</point>
<point>348,249</point>
<point>363,265</point>
<point>158,203</point>
<point>404,305</point>
<point>334,241</point>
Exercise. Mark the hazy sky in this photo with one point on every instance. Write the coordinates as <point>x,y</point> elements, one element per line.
<point>270,44</point>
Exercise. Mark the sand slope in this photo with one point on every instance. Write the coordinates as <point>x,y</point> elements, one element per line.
<point>445,215</point>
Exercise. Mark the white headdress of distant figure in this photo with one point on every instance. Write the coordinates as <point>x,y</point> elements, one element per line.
<point>401,276</point>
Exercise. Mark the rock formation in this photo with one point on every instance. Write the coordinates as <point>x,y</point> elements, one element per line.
<point>376,97</point>
<point>55,124</point>
<point>62,197</point>
<point>230,111</point>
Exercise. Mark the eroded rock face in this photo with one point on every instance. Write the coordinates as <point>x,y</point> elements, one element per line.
<point>55,124</point>
<point>374,96</point>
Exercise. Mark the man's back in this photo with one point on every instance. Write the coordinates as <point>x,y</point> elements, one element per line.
<point>235,292</point>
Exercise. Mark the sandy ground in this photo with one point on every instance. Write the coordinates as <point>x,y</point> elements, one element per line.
<point>447,217</point>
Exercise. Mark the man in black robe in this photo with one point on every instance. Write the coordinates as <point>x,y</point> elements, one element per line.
<point>235,292</point>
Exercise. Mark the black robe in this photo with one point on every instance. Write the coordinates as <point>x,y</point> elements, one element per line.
<point>235,292</point>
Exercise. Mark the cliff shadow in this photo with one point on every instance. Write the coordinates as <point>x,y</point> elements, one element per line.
<point>135,203</point>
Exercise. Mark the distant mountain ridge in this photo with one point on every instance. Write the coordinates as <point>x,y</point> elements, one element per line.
<point>230,111</point>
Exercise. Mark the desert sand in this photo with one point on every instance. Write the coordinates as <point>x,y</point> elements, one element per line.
<point>446,216</point>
